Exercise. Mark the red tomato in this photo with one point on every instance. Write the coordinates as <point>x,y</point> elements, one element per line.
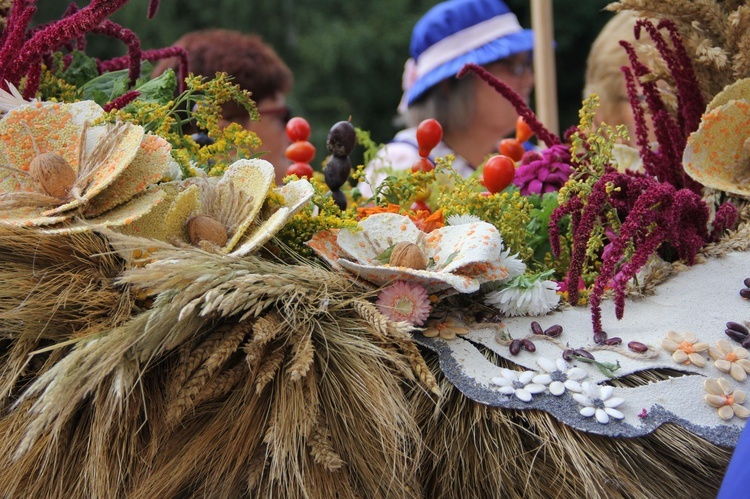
<point>498,173</point>
<point>300,152</point>
<point>420,206</point>
<point>429,134</point>
<point>512,148</point>
<point>297,129</point>
<point>302,170</point>
<point>422,165</point>
<point>523,130</point>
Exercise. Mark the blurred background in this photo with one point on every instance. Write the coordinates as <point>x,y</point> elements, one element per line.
<point>347,56</point>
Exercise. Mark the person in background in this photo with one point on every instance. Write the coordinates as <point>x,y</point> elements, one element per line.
<point>255,67</point>
<point>473,115</point>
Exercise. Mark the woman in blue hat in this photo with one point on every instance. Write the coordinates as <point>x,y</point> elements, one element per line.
<point>474,117</point>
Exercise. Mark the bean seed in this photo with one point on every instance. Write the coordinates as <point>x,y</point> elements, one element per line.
<point>637,346</point>
<point>735,335</point>
<point>747,282</point>
<point>515,347</point>
<point>746,342</point>
<point>528,345</point>
<point>600,337</point>
<point>536,328</point>
<point>613,341</point>
<point>568,354</point>
<point>583,353</point>
<point>554,331</point>
<point>745,293</point>
<point>738,327</point>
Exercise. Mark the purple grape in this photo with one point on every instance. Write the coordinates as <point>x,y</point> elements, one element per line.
<point>341,139</point>
<point>339,198</point>
<point>337,171</point>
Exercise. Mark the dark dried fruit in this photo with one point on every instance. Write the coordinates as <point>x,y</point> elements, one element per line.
<point>553,331</point>
<point>738,327</point>
<point>747,282</point>
<point>568,354</point>
<point>583,353</point>
<point>600,337</point>
<point>637,346</point>
<point>745,293</point>
<point>528,345</point>
<point>339,198</point>
<point>341,139</point>
<point>337,171</point>
<point>536,328</point>
<point>746,343</point>
<point>735,335</point>
<point>613,341</point>
<point>515,347</point>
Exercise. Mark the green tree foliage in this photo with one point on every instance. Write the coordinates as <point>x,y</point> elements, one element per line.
<point>347,56</point>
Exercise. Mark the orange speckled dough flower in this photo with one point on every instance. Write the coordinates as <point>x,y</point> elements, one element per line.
<point>461,257</point>
<point>61,172</point>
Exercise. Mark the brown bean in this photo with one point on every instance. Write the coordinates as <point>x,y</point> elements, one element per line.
<point>536,328</point>
<point>613,341</point>
<point>735,335</point>
<point>528,345</point>
<point>738,327</point>
<point>554,331</point>
<point>746,342</point>
<point>745,293</point>
<point>747,282</point>
<point>584,353</point>
<point>515,347</point>
<point>568,354</point>
<point>600,337</point>
<point>637,346</point>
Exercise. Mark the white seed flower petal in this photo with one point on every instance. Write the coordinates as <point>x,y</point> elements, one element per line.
<point>546,364</point>
<point>614,413</point>
<point>587,412</point>
<point>507,390</point>
<point>576,373</point>
<point>726,412</point>
<point>715,400</point>
<point>680,356</point>
<point>712,386</point>
<point>723,365</point>
<point>523,395</point>
<point>535,388</point>
<point>669,345</point>
<point>581,399</point>
<point>542,379</point>
<point>601,416</point>
<point>737,372</point>
<point>614,402</point>
<point>606,391</point>
<point>573,386</point>
<point>526,377</point>
<point>740,411</point>
<point>500,380</point>
<point>556,388</point>
<point>739,396</point>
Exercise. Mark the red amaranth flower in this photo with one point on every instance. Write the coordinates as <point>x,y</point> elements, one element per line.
<point>122,101</point>
<point>129,38</point>
<point>153,55</point>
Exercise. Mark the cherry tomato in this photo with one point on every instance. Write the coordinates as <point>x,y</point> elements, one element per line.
<point>523,130</point>
<point>297,129</point>
<point>512,148</point>
<point>422,165</point>
<point>429,134</point>
<point>300,152</point>
<point>420,206</point>
<point>498,173</point>
<point>302,170</point>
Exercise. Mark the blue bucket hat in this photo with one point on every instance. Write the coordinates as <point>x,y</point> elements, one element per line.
<point>457,32</point>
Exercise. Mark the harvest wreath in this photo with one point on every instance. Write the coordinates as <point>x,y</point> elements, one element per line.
<point>174,324</point>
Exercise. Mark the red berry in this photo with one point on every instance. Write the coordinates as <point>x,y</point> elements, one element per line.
<point>298,129</point>
<point>302,170</point>
<point>422,165</point>
<point>498,173</point>
<point>523,130</point>
<point>300,152</point>
<point>512,148</point>
<point>429,135</point>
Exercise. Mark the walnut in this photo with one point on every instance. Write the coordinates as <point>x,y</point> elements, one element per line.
<point>406,254</point>
<point>205,228</point>
<point>52,174</point>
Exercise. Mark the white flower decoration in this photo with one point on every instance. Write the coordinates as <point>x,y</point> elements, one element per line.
<point>462,219</point>
<point>525,296</point>
<point>523,384</point>
<point>731,359</point>
<point>598,401</point>
<point>559,377</point>
<point>727,401</point>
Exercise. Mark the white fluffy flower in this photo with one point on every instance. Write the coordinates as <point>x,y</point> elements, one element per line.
<point>515,265</point>
<point>521,384</point>
<point>598,401</point>
<point>11,99</point>
<point>462,219</point>
<point>524,298</point>
<point>559,377</point>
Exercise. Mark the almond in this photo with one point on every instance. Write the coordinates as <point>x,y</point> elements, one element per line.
<point>406,254</point>
<point>205,228</point>
<point>52,174</point>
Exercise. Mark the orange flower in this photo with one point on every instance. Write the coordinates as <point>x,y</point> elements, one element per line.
<point>427,222</point>
<point>365,211</point>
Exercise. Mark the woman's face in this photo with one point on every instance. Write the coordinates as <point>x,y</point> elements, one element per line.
<point>495,112</point>
<point>272,132</point>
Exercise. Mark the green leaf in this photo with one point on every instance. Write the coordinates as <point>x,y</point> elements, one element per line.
<point>160,90</point>
<point>385,256</point>
<point>82,68</point>
<point>606,368</point>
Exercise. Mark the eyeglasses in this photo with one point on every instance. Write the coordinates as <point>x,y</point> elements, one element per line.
<point>284,113</point>
<point>517,67</point>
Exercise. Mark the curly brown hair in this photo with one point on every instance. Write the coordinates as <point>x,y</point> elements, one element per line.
<point>253,65</point>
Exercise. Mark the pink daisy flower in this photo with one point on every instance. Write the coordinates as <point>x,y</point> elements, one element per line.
<point>404,302</point>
